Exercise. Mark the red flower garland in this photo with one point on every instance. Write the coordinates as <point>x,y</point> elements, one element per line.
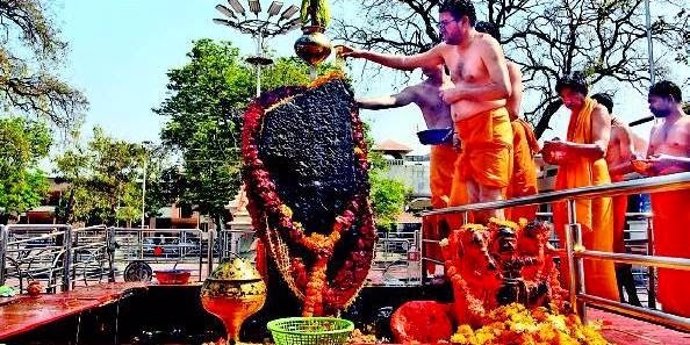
<point>265,204</point>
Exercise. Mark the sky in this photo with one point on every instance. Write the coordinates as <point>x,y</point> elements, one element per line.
<point>121,50</point>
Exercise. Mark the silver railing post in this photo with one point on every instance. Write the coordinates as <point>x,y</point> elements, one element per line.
<point>573,235</point>
<point>4,237</point>
<point>67,259</point>
<point>211,240</point>
<point>651,270</point>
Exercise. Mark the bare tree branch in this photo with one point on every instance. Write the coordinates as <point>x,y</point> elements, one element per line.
<point>26,83</point>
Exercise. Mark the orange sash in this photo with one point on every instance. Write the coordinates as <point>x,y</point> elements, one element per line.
<point>595,216</point>
<point>524,179</point>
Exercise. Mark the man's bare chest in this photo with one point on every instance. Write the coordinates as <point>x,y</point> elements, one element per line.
<point>467,70</point>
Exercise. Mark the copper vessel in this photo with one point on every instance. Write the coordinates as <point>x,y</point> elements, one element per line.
<point>233,292</point>
<point>313,46</point>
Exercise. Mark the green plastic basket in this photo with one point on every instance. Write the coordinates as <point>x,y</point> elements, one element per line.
<point>310,330</point>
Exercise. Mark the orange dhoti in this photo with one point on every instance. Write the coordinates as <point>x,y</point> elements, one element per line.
<point>594,216</point>
<point>620,208</point>
<point>441,169</point>
<point>524,179</point>
<point>672,239</point>
<point>486,156</point>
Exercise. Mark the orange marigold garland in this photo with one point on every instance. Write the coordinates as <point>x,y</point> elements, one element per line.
<point>327,286</point>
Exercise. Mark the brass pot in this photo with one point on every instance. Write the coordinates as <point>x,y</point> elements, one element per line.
<point>233,292</point>
<point>313,46</point>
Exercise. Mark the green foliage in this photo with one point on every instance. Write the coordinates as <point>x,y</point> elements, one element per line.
<point>388,196</point>
<point>205,103</point>
<point>104,180</point>
<point>23,144</point>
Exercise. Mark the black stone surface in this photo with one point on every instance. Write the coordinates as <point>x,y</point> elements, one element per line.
<point>307,147</point>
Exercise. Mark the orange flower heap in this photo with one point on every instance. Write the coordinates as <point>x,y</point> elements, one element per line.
<point>515,324</point>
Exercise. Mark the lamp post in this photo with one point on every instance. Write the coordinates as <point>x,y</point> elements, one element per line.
<point>145,145</point>
<point>650,43</point>
<point>260,25</point>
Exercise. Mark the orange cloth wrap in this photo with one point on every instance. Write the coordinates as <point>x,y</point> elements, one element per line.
<point>594,216</point>
<point>487,141</point>
<point>672,238</point>
<point>524,179</point>
<point>620,208</point>
<point>442,167</point>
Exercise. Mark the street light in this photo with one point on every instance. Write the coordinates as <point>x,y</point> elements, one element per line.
<point>650,43</point>
<point>260,27</point>
<point>145,145</point>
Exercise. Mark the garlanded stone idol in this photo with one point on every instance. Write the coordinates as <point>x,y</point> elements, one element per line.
<point>306,173</point>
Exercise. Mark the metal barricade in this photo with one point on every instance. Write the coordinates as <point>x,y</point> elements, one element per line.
<point>397,259</point>
<point>159,248</point>
<point>236,242</point>
<point>37,253</point>
<point>578,296</point>
<point>55,254</point>
<point>91,262</point>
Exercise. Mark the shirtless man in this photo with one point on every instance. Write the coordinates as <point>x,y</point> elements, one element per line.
<point>443,155</point>
<point>436,114</point>
<point>668,153</point>
<point>523,181</point>
<point>477,100</point>
<point>619,154</point>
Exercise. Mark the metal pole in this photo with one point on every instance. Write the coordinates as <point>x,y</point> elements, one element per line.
<point>3,252</point>
<point>67,259</point>
<point>211,240</point>
<point>143,198</point>
<point>573,236</point>
<point>650,43</point>
<point>259,53</point>
<point>651,270</point>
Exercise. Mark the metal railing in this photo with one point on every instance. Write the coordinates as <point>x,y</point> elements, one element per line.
<point>57,255</point>
<point>398,258</point>
<point>573,234</point>
<point>236,242</point>
<point>161,246</point>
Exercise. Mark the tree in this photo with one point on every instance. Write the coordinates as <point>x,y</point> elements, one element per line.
<point>30,49</point>
<point>103,178</point>
<point>388,196</point>
<point>205,103</point>
<point>23,144</point>
<point>606,39</point>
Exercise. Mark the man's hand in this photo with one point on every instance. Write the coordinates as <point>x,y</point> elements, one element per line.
<point>642,166</point>
<point>343,51</point>
<point>661,162</point>
<point>457,144</point>
<point>450,94</point>
<point>555,152</point>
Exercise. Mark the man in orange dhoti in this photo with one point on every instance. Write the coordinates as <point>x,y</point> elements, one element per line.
<point>443,155</point>
<point>581,163</point>
<point>669,152</point>
<point>619,154</point>
<point>523,181</point>
<point>477,100</point>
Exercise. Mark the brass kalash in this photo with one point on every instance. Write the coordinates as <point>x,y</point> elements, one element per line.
<point>233,292</point>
